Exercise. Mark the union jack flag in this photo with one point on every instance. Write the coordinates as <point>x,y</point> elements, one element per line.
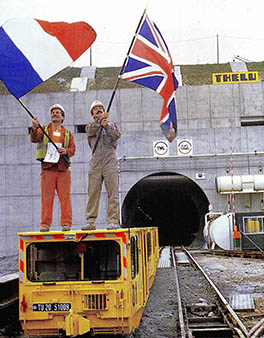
<point>149,63</point>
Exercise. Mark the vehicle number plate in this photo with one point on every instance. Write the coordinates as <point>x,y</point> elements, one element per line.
<point>42,307</point>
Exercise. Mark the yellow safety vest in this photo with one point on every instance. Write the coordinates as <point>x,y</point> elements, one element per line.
<point>43,144</point>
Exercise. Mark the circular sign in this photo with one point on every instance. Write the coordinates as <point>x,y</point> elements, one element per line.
<point>160,148</point>
<point>185,147</point>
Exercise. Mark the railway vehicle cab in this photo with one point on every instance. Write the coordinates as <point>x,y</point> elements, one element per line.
<point>75,282</point>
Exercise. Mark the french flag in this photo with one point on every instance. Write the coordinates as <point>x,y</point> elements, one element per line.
<point>31,50</point>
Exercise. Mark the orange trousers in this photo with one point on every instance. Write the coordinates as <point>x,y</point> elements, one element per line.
<point>53,180</point>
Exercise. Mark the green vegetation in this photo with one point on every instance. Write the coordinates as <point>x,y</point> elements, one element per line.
<point>106,77</point>
<point>202,74</point>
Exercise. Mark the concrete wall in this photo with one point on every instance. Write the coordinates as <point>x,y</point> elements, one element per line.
<point>204,115</point>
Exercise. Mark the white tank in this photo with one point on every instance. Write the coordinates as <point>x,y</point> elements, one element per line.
<point>226,183</point>
<point>242,183</point>
<point>220,232</point>
<point>259,182</point>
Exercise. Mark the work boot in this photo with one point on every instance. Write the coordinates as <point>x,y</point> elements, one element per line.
<point>89,227</point>
<point>66,228</point>
<point>113,226</point>
<point>44,228</point>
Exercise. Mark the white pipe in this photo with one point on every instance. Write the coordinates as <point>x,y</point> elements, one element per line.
<point>124,158</point>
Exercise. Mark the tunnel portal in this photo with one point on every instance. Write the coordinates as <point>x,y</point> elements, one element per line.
<point>172,202</point>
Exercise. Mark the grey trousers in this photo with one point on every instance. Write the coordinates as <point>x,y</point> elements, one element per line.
<point>95,181</point>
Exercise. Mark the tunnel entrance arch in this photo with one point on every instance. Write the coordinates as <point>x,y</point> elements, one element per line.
<point>172,202</point>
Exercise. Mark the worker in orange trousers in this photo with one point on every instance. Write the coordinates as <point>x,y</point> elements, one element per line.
<point>55,173</point>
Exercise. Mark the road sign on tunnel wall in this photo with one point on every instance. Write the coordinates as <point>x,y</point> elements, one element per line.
<point>185,147</point>
<point>161,148</point>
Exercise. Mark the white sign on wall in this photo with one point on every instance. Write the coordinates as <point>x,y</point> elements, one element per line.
<point>185,147</point>
<point>161,148</point>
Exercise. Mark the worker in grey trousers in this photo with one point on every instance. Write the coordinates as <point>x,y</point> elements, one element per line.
<point>103,167</point>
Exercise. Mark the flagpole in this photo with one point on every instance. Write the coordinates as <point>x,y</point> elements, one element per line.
<point>118,77</point>
<point>28,111</point>
<point>125,61</point>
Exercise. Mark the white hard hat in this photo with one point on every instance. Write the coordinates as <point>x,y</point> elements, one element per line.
<point>95,104</point>
<point>59,106</point>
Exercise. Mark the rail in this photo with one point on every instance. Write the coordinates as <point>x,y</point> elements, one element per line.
<point>229,317</point>
<point>236,320</point>
<point>178,295</point>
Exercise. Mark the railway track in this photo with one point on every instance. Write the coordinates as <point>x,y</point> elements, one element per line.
<point>203,310</point>
<point>9,324</point>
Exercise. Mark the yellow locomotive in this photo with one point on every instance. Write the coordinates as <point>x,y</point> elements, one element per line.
<point>75,282</point>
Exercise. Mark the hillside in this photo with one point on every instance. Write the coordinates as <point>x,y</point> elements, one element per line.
<point>105,77</point>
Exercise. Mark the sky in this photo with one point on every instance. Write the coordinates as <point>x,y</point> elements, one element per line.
<point>196,31</point>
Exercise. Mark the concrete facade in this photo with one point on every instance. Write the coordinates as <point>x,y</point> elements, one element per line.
<point>208,115</point>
